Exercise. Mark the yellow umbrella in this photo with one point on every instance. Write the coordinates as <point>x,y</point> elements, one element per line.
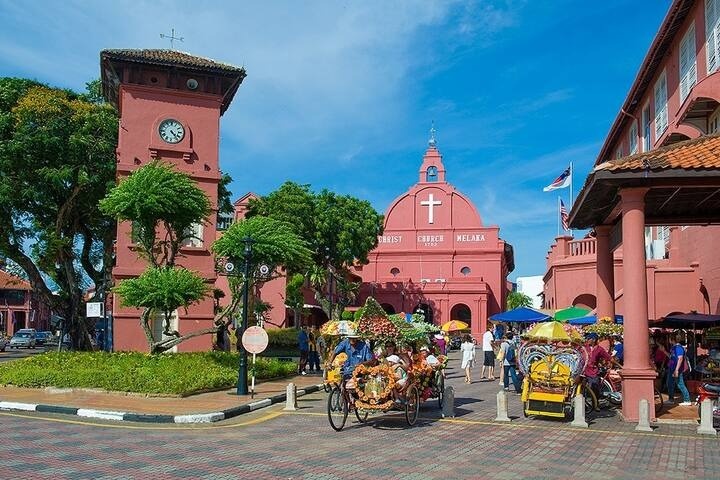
<point>550,331</point>
<point>454,325</point>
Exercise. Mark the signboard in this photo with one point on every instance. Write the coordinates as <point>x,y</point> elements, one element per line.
<point>94,310</point>
<point>255,340</point>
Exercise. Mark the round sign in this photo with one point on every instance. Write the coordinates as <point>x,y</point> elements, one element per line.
<point>229,267</point>
<point>255,340</point>
<point>264,269</point>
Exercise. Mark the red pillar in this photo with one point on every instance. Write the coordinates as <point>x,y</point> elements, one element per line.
<point>605,282</point>
<point>637,373</point>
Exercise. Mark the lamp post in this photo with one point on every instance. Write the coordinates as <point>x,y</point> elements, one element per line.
<point>242,383</point>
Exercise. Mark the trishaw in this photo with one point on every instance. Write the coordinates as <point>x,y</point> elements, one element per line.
<point>375,388</point>
<point>551,358</point>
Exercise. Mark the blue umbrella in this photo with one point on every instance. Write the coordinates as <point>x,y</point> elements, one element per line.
<point>520,315</point>
<point>592,319</point>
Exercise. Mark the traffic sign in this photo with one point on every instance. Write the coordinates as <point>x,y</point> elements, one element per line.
<point>255,340</point>
<point>94,309</point>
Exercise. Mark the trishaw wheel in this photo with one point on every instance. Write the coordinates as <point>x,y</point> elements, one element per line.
<point>441,389</point>
<point>659,402</point>
<point>412,406</point>
<point>326,387</point>
<point>526,407</point>
<point>362,415</point>
<point>337,409</point>
<point>591,403</point>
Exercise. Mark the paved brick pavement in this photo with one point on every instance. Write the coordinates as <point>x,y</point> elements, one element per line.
<point>270,444</point>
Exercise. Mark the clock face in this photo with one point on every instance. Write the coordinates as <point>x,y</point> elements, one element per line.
<point>171,131</point>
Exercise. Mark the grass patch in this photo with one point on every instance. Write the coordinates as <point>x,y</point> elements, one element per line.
<point>174,373</point>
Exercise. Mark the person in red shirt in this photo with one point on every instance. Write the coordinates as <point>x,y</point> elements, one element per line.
<point>595,355</point>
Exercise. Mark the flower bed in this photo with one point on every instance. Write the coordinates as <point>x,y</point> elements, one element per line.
<point>175,373</point>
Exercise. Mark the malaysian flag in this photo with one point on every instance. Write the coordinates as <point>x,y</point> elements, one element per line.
<point>560,182</point>
<point>564,216</point>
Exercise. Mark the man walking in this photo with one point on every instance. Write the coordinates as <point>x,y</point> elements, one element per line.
<point>488,355</point>
<point>509,356</point>
<point>304,346</point>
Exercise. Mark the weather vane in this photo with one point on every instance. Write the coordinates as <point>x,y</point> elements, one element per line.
<point>172,38</point>
<point>432,142</point>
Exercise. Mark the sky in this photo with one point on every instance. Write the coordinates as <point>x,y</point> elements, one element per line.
<point>341,94</point>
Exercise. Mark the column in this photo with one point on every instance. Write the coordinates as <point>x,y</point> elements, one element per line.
<point>605,281</point>
<point>483,315</point>
<point>476,319</point>
<point>637,374</point>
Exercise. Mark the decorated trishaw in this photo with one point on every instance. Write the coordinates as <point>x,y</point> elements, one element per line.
<point>551,359</point>
<point>396,380</point>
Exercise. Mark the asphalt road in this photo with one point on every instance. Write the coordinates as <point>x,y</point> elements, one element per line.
<point>13,354</point>
<point>272,444</point>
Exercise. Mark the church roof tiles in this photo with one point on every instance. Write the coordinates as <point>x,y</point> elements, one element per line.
<point>171,58</point>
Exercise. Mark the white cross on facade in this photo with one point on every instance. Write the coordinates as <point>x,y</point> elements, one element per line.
<point>430,202</point>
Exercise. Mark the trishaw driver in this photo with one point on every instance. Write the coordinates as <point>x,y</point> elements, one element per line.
<point>357,353</point>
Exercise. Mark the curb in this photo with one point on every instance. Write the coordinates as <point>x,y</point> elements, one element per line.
<point>157,418</point>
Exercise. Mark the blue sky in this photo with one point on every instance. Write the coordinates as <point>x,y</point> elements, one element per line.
<point>341,94</point>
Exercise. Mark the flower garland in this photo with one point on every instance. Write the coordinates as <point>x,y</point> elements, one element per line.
<point>380,400</point>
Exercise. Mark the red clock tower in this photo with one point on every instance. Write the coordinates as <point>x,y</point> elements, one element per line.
<point>170,105</point>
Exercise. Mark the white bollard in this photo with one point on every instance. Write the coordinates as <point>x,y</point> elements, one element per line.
<point>644,417</point>
<point>706,418</point>
<point>291,398</point>
<point>502,407</point>
<point>579,412</point>
<point>448,408</point>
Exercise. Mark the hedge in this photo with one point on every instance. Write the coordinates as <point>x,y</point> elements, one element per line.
<point>283,337</point>
<point>173,373</point>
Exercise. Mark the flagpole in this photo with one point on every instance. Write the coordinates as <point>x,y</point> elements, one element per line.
<point>558,217</point>
<point>571,191</point>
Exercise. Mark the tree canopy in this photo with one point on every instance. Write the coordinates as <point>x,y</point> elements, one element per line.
<point>57,160</point>
<point>518,299</point>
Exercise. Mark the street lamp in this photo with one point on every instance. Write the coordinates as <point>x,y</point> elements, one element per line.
<point>242,383</point>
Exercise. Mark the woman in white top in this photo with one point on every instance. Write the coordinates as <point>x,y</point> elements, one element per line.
<point>468,356</point>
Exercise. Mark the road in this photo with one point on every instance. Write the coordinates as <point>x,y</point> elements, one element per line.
<point>272,444</point>
<point>14,354</point>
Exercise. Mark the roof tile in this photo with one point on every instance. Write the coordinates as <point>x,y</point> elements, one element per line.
<point>11,282</point>
<point>170,58</point>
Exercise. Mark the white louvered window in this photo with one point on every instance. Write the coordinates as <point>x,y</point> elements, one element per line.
<point>714,122</point>
<point>194,236</point>
<point>646,128</point>
<point>661,108</point>
<point>712,34</point>
<point>633,138</point>
<point>688,65</point>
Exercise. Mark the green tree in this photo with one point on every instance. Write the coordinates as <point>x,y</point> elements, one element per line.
<point>518,299</point>
<point>57,160</point>
<point>163,205</point>
<point>294,295</point>
<point>340,230</point>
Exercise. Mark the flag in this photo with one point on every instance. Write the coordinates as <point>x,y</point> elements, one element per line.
<point>560,182</point>
<point>564,216</point>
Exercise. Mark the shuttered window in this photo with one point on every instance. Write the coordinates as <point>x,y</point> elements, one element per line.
<point>712,33</point>
<point>688,65</point>
<point>661,111</point>
<point>646,122</point>
<point>633,138</point>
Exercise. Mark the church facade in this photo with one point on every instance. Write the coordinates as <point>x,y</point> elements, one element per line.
<point>435,256</point>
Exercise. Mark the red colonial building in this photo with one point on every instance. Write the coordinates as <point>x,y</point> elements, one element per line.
<point>170,104</point>
<point>19,307</point>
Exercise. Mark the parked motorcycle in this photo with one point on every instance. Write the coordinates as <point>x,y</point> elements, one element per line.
<point>710,391</point>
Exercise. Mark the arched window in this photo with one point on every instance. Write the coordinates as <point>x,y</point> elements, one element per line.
<point>465,271</point>
<point>431,175</point>
<point>461,312</point>
<point>395,271</point>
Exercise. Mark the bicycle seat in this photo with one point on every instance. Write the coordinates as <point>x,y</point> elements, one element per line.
<point>711,387</point>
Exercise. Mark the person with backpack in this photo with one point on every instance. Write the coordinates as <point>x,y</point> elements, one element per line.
<point>508,350</point>
<point>678,365</point>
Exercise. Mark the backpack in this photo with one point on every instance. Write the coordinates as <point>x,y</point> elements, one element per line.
<point>686,368</point>
<point>510,354</point>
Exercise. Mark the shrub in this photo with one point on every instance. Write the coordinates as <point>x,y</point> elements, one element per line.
<point>283,337</point>
<point>175,373</point>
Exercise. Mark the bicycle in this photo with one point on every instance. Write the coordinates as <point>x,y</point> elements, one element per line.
<point>339,404</point>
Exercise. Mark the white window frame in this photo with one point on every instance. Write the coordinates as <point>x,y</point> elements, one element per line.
<point>646,121</point>
<point>633,138</point>
<point>619,153</point>
<point>714,122</point>
<point>661,105</point>
<point>687,64</point>
<point>712,35</point>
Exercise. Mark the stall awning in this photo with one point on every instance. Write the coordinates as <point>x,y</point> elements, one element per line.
<point>520,315</point>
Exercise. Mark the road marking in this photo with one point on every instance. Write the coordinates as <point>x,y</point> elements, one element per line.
<point>254,421</point>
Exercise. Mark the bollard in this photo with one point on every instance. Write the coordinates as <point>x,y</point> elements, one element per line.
<point>579,412</point>
<point>291,397</point>
<point>644,417</point>
<point>502,407</point>
<point>448,408</point>
<point>706,418</point>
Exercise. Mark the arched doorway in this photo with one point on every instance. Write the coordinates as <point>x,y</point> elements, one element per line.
<point>461,312</point>
<point>425,309</point>
<point>389,309</point>
<point>585,300</point>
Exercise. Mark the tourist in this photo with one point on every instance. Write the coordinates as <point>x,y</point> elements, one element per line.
<point>488,355</point>
<point>313,356</point>
<point>509,356</point>
<point>467,348</point>
<point>618,348</point>
<point>400,373</point>
<point>595,354</point>
<point>304,346</point>
<point>439,341</point>
<point>426,357</point>
<point>677,366</point>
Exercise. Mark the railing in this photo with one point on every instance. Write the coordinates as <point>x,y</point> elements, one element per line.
<point>586,246</point>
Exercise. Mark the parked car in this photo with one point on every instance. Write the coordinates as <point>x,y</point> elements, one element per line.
<point>43,338</point>
<point>23,339</point>
<point>3,343</point>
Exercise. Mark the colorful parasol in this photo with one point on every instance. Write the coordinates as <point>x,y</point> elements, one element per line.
<point>571,312</point>
<point>454,326</point>
<point>553,332</point>
<point>338,327</point>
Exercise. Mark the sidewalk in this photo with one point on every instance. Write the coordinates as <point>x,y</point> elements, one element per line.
<point>120,406</point>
